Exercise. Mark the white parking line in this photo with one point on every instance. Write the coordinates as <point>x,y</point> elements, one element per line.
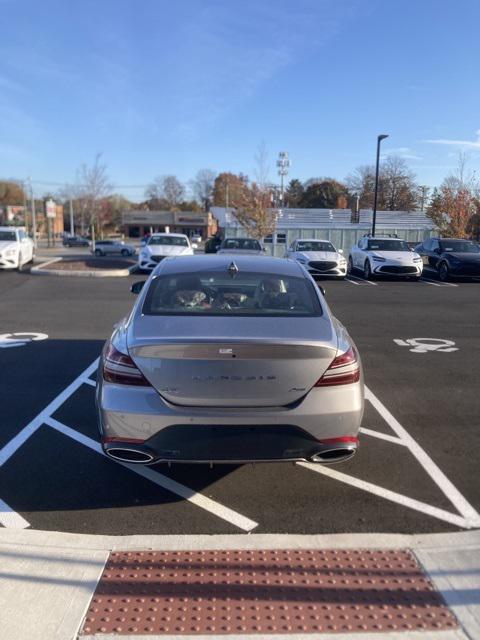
<point>382,436</point>
<point>374,284</point>
<point>89,381</point>
<point>438,284</point>
<point>405,501</point>
<point>352,281</point>
<point>198,499</point>
<point>472,517</point>
<point>430,282</point>
<point>10,519</point>
<point>21,437</point>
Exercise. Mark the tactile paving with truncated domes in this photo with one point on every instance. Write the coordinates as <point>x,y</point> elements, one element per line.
<point>264,592</point>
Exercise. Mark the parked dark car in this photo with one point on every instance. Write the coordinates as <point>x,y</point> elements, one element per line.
<point>212,245</point>
<point>75,241</point>
<point>451,257</point>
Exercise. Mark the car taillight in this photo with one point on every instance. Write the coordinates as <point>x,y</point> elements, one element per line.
<point>344,369</point>
<point>121,369</point>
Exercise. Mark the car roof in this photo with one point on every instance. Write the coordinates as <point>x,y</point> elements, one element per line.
<point>385,238</point>
<point>215,262</point>
<point>178,235</point>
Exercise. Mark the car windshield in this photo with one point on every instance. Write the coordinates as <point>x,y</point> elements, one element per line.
<point>314,245</point>
<point>177,241</point>
<point>388,245</point>
<point>7,236</point>
<point>244,244</point>
<point>460,246</point>
<point>220,294</point>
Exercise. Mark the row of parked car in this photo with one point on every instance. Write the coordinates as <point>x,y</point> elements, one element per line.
<point>373,256</point>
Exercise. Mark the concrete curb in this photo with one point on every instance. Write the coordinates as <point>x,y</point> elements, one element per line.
<point>105,273</point>
<point>60,540</point>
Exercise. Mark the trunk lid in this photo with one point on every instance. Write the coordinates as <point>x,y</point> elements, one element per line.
<point>249,362</point>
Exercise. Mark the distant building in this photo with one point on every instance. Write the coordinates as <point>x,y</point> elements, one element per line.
<point>137,223</point>
<point>332,224</point>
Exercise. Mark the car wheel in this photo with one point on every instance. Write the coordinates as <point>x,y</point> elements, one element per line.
<point>350,264</point>
<point>443,272</point>
<point>98,253</point>
<point>367,270</point>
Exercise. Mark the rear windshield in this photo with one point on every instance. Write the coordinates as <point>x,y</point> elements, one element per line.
<point>7,236</point>
<point>220,294</point>
<point>314,246</point>
<point>169,240</point>
<point>244,244</point>
<point>388,245</point>
<point>460,247</point>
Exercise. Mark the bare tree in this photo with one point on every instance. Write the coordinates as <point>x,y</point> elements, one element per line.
<point>261,171</point>
<point>93,185</point>
<point>202,187</point>
<point>362,183</point>
<point>397,189</point>
<point>167,188</point>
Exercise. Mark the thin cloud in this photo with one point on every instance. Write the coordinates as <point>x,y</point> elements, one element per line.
<point>467,144</point>
<point>403,152</point>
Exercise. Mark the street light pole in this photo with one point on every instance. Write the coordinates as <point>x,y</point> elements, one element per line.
<point>34,217</point>
<point>72,228</point>
<point>374,217</point>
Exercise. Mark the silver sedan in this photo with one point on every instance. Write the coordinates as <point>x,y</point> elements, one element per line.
<point>229,359</point>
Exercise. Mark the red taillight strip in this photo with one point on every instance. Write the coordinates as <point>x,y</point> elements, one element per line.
<point>119,368</point>
<point>344,369</point>
<point>339,439</point>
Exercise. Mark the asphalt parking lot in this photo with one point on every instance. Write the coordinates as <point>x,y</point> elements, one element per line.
<point>416,471</point>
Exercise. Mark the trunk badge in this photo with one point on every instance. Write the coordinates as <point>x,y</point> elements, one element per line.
<point>232,269</point>
<point>228,352</point>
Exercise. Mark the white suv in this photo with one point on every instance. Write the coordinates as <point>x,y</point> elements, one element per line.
<point>385,256</point>
<point>16,248</point>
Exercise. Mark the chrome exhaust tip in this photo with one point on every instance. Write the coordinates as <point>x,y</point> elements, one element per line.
<point>129,454</point>
<point>334,454</point>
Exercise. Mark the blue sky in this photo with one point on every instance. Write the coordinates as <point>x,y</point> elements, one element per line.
<point>172,87</point>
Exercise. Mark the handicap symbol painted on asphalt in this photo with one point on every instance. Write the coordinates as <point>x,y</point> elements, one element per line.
<point>8,340</point>
<point>424,345</point>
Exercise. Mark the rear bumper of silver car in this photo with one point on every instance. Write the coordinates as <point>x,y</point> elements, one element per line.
<point>138,419</point>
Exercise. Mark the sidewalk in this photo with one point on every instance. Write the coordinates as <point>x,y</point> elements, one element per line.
<point>57,586</point>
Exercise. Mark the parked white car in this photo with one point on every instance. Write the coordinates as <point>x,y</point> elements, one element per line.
<point>162,245</point>
<point>385,256</point>
<point>16,248</point>
<point>319,257</point>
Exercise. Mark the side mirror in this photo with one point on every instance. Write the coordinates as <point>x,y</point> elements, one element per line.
<point>264,249</point>
<point>436,250</point>
<point>194,245</point>
<point>137,286</point>
<point>340,251</point>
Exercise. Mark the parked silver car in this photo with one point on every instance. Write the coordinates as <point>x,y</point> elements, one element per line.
<point>229,359</point>
<point>111,247</point>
